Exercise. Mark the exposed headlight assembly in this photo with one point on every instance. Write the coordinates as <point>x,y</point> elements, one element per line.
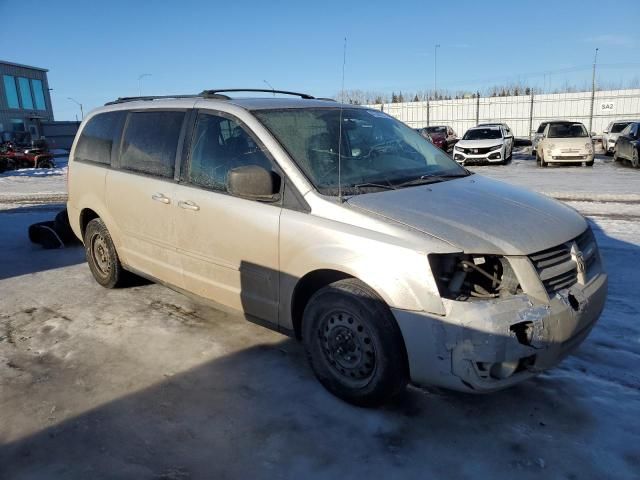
<point>588,146</point>
<point>495,147</point>
<point>467,277</point>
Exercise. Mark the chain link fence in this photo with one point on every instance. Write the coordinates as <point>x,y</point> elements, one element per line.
<point>522,113</point>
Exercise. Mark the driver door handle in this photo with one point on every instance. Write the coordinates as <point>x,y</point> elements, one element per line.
<point>188,205</point>
<point>159,197</point>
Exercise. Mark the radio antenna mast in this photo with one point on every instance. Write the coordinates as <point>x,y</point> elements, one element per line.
<point>344,61</point>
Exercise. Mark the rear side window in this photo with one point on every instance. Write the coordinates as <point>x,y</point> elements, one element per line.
<point>542,127</point>
<point>150,142</point>
<point>98,136</point>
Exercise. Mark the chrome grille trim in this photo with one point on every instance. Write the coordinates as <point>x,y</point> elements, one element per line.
<point>558,268</point>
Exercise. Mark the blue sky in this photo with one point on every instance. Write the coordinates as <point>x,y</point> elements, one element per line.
<point>96,52</point>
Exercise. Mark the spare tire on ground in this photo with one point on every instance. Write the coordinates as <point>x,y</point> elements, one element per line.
<point>54,233</point>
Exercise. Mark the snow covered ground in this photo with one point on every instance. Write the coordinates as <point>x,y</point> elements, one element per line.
<point>34,185</point>
<point>145,383</point>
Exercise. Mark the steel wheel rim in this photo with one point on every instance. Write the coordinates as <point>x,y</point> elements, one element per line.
<point>347,347</point>
<point>100,254</point>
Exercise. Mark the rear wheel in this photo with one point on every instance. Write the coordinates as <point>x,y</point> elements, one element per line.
<point>102,256</point>
<point>635,162</point>
<point>353,343</point>
<point>45,164</point>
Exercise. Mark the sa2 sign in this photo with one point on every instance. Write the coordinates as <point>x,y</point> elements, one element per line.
<point>607,107</point>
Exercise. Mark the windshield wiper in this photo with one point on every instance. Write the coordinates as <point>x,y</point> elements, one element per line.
<point>374,185</point>
<point>426,179</point>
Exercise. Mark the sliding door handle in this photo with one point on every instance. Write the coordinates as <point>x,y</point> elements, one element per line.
<point>159,197</point>
<point>188,205</point>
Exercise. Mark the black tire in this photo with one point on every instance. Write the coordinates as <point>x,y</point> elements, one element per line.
<point>354,344</point>
<point>589,164</point>
<point>102,256</point>
<point>635,161</point>
<point>541,161</point>
<point>45,164</point>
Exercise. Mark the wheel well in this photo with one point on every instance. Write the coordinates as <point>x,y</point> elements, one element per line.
<point>85,217</point>
<point>305,288</point>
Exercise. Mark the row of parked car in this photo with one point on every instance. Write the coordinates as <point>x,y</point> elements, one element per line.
<point>558,141</point>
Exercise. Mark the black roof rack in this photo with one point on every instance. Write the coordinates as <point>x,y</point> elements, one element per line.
<point>217,94</point>
<point>211,93</point>
<point>148,97</point>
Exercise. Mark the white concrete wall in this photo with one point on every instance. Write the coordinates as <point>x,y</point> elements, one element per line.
<point>515,110</point>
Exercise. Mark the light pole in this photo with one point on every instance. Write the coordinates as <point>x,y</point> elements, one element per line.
<point>140,77</point>
<point>79,104</point>
<point>593,90</point>
<point>270,86</point>
<point>435,69</point>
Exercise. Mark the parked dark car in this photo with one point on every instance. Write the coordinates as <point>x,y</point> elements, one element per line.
<point>628,145</point>
<point>441,136</point>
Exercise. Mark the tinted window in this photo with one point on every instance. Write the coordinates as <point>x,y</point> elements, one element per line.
<point>567,130</point>
<point>25,93</point>
<point>220,144</point>
<point>150,142</point>
<point>542,127</point>
<point>38,94</point>
<point>482,134</point>
<point>97,137</point>
<point>618,127</point>
<point>11,91</point>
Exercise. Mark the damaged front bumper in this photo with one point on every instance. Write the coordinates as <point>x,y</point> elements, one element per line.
<point>482,346</point>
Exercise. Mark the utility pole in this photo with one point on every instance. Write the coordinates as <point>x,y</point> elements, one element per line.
<point>140,77</point>
<point>79,104</point>
<point>435,70</point>
<point>593,90</point>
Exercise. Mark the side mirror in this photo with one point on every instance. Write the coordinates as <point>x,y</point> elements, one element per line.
<point>254,183</point>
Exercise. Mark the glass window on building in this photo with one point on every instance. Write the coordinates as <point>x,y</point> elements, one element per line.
<point>38,94</point>
<point>17,125</point>
<point>25,93</point>
<point>11,91</point>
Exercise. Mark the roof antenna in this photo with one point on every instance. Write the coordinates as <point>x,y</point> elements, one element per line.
<point>344,61</point>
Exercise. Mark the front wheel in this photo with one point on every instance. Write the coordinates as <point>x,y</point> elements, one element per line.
<point>354,344</point>
<point>635,162</point>
<point>589,164</point>
<point>541,161</point>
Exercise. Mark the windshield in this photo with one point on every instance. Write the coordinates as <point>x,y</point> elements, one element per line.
<point>482,134</point>
<point>436,129</point>
<point>376,151</point>
<point>567,130</point>
<point>618,127</point>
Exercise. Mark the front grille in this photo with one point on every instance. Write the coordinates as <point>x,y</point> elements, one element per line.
<point>557,267</point>
<point>568,157</point>
<point>476,151</point>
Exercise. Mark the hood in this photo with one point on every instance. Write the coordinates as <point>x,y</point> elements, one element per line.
<point>480,143</point>
<point>478,215</point>
<point>573,143</point>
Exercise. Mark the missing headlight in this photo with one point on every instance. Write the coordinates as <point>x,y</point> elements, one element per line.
<point>465,277</point>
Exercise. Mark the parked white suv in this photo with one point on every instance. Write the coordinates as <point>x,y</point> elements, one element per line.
<point>485,144</point>
<point>565,142</point>
<point>342,227</point>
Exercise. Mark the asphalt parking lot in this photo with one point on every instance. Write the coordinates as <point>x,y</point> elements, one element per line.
<point>144,382</point>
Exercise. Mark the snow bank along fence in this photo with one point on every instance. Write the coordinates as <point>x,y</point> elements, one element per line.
<point>522,113</point>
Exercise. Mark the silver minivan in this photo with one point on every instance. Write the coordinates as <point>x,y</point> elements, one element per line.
<point>342,227</point>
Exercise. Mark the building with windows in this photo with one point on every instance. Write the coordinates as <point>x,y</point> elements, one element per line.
<point>25,103</point>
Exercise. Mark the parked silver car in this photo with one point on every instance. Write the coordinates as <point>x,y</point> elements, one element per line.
<point>342,227</point>
<point>611,134</point>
